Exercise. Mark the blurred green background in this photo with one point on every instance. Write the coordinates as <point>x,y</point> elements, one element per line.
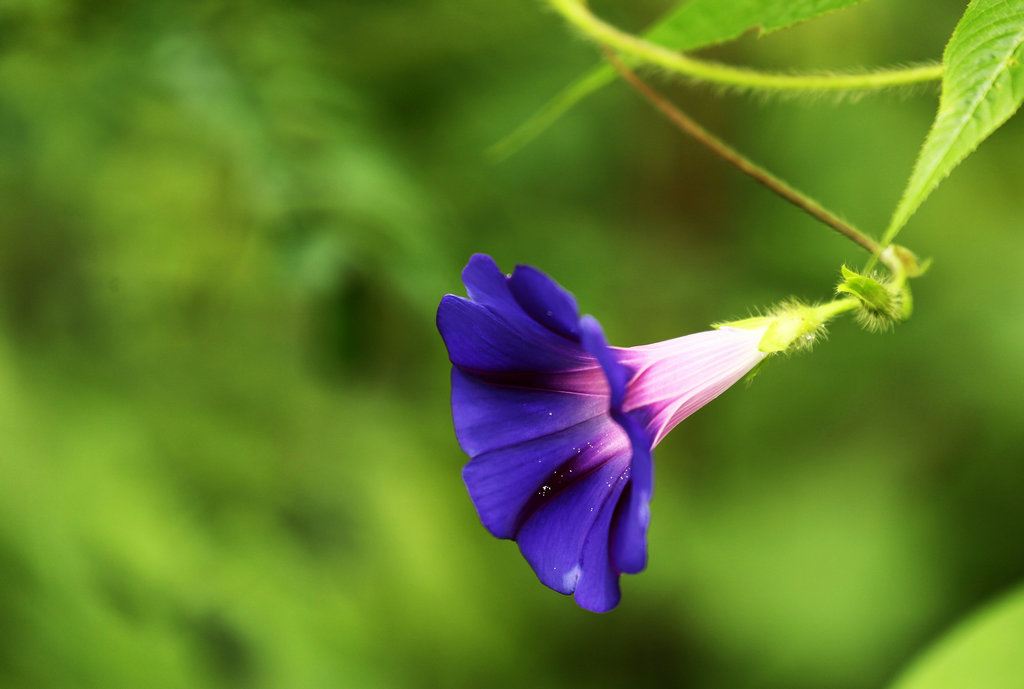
<point>226,456</point>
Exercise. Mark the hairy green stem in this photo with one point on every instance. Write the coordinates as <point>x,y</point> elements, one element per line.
<point>577,13</point>
<point>793,325</point>
<point>733,157</point>
<point>830,310</point>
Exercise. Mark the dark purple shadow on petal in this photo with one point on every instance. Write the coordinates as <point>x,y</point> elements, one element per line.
<point>545,301</point>
<point>555,539</point>
<point>508,485</point>
<point>489,416</point>
<point>633,515</point>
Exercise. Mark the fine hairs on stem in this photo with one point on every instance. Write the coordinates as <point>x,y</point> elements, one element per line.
<point>579,15</point>
<point>734,158</point>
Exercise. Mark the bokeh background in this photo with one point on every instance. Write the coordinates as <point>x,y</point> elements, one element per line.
<point>226,457</point>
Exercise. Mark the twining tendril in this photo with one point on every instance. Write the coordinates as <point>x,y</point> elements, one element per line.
<point>638,49</point>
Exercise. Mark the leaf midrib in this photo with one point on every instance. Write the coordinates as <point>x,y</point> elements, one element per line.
<point>979,99</point>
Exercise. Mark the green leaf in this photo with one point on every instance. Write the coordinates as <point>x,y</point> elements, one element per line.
<point>984,652</point>
<point>700,23</point>
<point>982,86</point>
<point>692,25</point>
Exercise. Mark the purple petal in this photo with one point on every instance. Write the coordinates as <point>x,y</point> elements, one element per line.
<point>487,286</point>
<point>633,517</point>
<point>629,537</point>
<point>480,340</point>
<point>545,301</point>
<point>598,586</point>
<point>489,417</point>
<point>555,539</point>
<point>597,589</point>
<point>594,342</point>
<point>510,484</point>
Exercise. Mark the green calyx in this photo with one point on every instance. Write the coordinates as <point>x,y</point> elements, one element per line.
<point>792,325</point>
<point>884,302</point>
<point>876,296</point>
<point>879,302</point>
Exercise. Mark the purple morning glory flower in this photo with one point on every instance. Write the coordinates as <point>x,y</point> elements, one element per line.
<point>560,426</point>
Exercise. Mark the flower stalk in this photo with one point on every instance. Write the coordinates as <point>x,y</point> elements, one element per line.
<point>740,162</point>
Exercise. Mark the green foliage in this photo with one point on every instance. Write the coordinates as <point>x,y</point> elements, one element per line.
<point>701,23</point>
<point>982,651</point>
<point>982,86</point>
<point>226,457</point>
<point>692,25</point>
